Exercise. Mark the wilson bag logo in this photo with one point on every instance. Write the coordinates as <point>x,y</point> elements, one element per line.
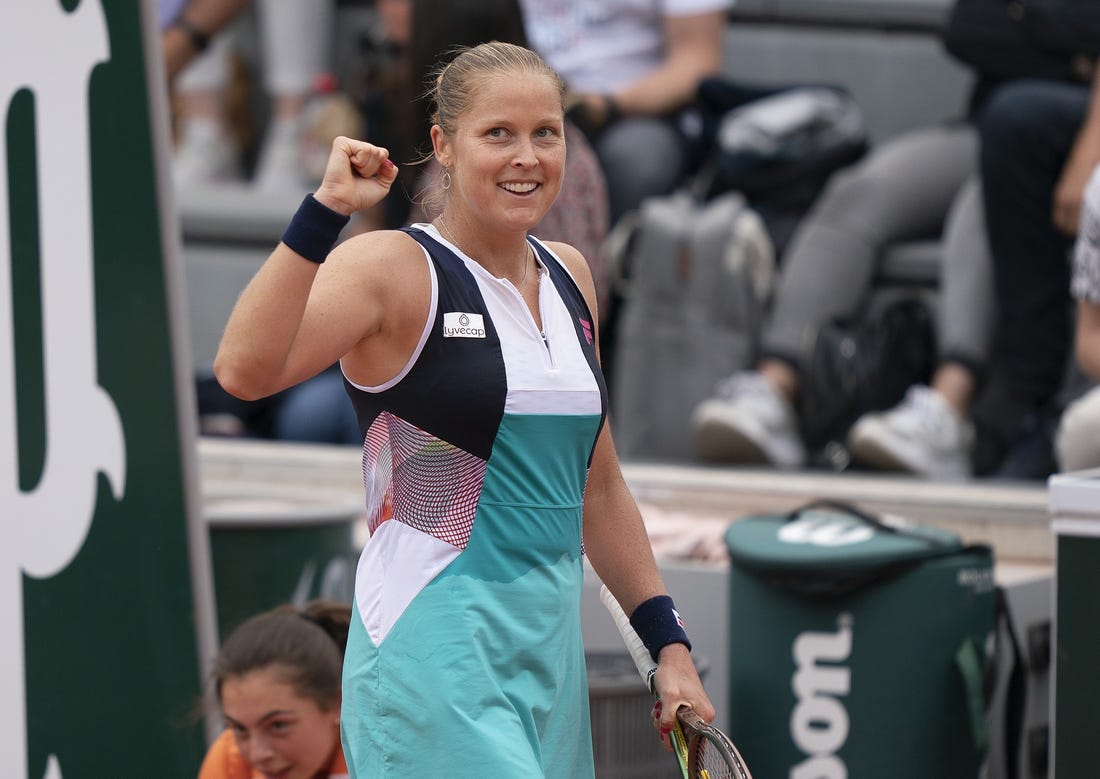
<point>824,528</point>
<point>819,722</point>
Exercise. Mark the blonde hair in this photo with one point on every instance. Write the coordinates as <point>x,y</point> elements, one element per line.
<point>455,84</point>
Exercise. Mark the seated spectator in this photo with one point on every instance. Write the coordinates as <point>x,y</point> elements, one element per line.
<point>277,681</point>
<point>915,186</point>
<point>393,112</point>
<point>632,69</point>
<point>187,27</point>
<point>1085,285</point>
<point>1078,438</point>
<point>207,145</point>
<point>295,37</point>
<point>1040,141</point>
<point>317,411</point>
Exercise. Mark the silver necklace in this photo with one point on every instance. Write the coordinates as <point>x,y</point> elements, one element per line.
<point>526,250</point>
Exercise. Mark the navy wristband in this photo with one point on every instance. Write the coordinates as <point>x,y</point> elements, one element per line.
<point>314,230</point>
<point>658,624</point>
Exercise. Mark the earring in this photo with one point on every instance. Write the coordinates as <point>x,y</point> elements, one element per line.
<point>445,180</point>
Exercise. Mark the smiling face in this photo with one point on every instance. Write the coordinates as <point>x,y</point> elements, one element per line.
<point>282,734</point>
<point>507,151</point>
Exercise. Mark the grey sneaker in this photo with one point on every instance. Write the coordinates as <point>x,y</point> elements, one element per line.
<point>205,155</point>
<point>278,165</point>
<point>921,435</point>
<point>747,421</point>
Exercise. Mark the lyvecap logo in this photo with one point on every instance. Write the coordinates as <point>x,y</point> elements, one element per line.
<point>457,324</point>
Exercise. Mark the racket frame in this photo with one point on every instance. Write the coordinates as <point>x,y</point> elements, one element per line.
<point>647,667</point>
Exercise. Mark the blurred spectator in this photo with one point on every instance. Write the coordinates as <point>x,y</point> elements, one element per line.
<point>921,184</point>
<point>1078,437</point>
<point>381,85</point>
<point>1085,285</point>
<point>188,26</point>
<point>295,37</point>
<point>277,681</point>
<point>1040,141</point>
<point>632,68</point>
<point>295,40</point>
<point>914,187</point>
<point>207,150</point>
<point>318,411</point>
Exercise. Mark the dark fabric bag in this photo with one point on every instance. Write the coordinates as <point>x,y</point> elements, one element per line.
<point>1055,39</point>
<point>852,367</point>
<point>778,145</point>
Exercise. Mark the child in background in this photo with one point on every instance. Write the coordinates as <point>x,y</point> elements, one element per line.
<point>277,680</point>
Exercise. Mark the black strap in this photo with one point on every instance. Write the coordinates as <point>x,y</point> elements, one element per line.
<point>1016,694</point>
<point>843,507</point>
<point>834,584</point>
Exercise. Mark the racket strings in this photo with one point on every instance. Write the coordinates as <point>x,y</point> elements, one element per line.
<point>709,761</point>
<point>711,755</point>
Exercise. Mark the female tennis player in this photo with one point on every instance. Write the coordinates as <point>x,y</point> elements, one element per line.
<point>469,352</point>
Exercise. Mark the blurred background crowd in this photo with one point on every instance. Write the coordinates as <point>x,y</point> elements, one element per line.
<point>259,89</point>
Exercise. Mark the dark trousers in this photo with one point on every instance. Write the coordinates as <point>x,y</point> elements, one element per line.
<point>1027,130</point>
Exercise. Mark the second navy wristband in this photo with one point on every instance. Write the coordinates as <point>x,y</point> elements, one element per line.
<point>658,624</point>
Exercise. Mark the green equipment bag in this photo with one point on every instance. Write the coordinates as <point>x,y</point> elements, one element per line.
<point>859,646</point>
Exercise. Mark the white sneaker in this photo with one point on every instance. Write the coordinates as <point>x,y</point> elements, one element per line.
<point>279,166</point>
<point>747,421</point>
<point>205,154</point>
<point>921,435</point>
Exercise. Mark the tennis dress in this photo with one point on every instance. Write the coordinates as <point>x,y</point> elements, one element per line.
<point>465,656</point>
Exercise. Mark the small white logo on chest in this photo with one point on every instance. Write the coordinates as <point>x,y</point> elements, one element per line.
<point>459,325</point>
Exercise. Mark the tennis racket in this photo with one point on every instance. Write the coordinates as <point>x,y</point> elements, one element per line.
<point>702,750</point>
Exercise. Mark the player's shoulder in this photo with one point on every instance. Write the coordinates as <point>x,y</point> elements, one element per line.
<point>384,243</point>
<point>389,257</point>
<point>571,258</point>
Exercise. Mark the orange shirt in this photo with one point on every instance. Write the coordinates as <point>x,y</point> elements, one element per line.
<point>224,761</point>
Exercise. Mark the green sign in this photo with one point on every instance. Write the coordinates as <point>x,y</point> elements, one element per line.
<point>100,672</point>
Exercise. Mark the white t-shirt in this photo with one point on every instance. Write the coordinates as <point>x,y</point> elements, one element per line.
<point>1085,284</point>
<point>601,46</point>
